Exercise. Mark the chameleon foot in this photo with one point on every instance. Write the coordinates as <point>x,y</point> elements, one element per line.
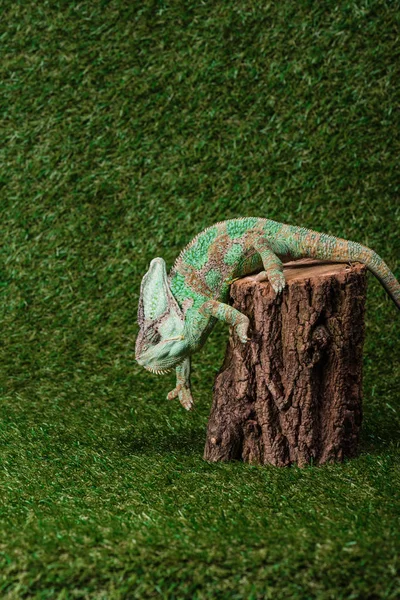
<point>278,282</point>
<point>262,276</point>
<point>276,279</point>
<point>241,331</point>
<point>184,394</point>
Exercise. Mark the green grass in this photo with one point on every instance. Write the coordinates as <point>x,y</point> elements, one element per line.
<point>127,128</point>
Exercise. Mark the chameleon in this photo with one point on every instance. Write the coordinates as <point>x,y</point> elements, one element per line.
<point>177,312</point>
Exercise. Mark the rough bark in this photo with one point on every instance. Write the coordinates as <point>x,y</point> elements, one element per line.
<point>292,395</point>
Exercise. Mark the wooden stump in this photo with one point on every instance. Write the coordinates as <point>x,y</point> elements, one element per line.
<point>292,395</point>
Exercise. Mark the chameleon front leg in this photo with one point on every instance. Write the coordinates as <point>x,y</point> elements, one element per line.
<point>273,266</point>
<point>229,315</point>
<point>182,389</point>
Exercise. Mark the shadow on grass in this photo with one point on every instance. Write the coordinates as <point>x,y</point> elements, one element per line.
<point>379,435</point>
<point>376,437</point>
<point>153,442</point>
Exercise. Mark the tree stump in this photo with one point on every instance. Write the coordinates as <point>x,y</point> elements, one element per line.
<point>292,395</point>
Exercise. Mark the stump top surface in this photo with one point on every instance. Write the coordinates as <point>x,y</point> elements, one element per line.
<point>308,268</point>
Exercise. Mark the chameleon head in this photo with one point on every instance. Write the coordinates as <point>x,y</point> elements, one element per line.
<point>160,344</point>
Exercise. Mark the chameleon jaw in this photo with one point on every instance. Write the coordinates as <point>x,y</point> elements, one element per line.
<point>161,371</point>
<point>158,371</point>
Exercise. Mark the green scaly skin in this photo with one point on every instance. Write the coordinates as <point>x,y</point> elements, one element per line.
<point>178,312</point>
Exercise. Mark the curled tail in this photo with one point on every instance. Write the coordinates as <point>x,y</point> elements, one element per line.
<point>323,246</point>
<point>378,267</point>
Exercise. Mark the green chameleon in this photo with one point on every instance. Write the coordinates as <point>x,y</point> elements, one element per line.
<point>177,312</point>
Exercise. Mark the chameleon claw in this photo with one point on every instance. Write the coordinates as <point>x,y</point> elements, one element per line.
<point>278,287</point>
<point>241,331</point>
<point>184,395</point>
<point>173,394</point>
<point>186,400</point>
<point>276,279</point>
<point>187,405</point>
<point>243,338</point>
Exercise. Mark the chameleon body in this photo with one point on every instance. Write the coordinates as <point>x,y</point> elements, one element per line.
<point>178,311</point>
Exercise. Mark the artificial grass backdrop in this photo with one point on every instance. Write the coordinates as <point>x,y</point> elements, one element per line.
<point>128,128</point>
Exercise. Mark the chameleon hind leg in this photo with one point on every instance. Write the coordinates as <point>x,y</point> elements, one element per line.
<point>273,266</point>
<point>182,389</point>
<point>229,315</point>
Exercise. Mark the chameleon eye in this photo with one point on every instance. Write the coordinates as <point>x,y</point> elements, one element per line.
<point>154,336</point>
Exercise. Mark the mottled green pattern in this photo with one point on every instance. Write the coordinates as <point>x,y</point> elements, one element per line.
<point>252,263</point>
<point>197,254</point>
<point>213,279</point>
<point>245,245</point>
<point>200,279</point>
<point>233,254</point>
<point>155,301</point>
<point>270,239</point>
<point>182,290</point>
<point>271,228</point>
<point>237,227</point>
<point>179,288</point>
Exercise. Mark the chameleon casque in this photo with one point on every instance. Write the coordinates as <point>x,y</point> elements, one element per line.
<point>178,311</point>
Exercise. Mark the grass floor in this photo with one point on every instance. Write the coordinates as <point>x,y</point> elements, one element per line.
<point>127,128</point>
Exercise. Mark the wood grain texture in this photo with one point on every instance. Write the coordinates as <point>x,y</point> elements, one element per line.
<point>292,395</point>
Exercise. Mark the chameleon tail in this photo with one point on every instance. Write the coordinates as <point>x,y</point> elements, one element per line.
<point>323,246</point>
<point>378,267</point>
